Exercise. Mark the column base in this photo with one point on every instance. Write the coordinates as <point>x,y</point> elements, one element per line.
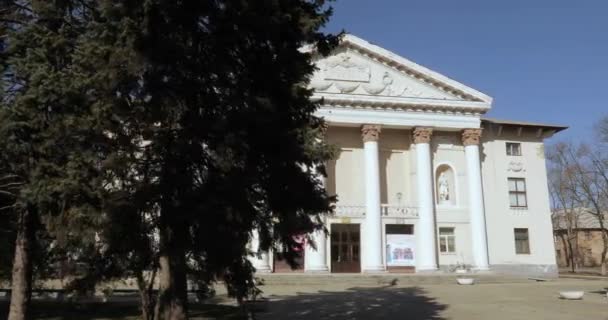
<point>374,269</point>
<point>317,269</point>
<point>427,269</point>
<point>263,269</point>
<point>485,269</point>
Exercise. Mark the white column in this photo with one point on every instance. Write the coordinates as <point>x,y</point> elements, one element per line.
<point>426,259</point>
<point>261,263</point>
<point>316,259</point>
<point>470,139</point>
<point>372,226</point>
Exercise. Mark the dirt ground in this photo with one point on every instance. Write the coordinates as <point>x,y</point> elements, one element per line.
<point>530,300</point>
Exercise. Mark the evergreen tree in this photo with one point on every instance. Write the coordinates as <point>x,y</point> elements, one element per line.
<point>50,133</point>
<point>220,126</point>
<point>196,112</point>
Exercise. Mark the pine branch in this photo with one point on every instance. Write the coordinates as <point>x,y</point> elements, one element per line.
<point>7,207</point>
<point>11,185</point>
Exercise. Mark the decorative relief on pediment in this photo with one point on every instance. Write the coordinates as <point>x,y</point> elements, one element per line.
<point>350,73</point>
<point>342,67</point>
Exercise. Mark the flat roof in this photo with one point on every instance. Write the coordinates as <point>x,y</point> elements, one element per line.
<point>557,128</point>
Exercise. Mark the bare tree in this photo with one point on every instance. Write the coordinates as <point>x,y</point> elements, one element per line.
<point>565,206</point>
<point>582,185</point>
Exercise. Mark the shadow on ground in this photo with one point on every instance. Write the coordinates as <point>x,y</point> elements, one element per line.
<point>123,311</point>
<point>355,303</point>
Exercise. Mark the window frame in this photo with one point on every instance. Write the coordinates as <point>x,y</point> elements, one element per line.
<point>518,192</point>
<point>588,235</point>
<point>510,150</point>
<point>527,250</point>
<point>446,238</point>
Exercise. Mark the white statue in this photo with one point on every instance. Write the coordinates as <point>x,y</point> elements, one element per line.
<point>444,188</point>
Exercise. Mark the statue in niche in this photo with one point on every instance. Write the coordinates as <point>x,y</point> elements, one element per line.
<point>444,188</point>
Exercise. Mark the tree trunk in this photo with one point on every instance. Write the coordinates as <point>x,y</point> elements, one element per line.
<point>146,294</point>
<point>604,251</point>
<point>571,254</point>
<point>21,283</point>
<point>172,295</point>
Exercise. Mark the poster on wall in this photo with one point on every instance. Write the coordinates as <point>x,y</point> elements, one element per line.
<point>400,250</point>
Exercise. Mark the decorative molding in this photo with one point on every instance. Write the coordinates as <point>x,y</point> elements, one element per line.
<point>397,211</point>
<point>410,69</point>
<point>350,211</point>
<point>370,132</point>
<point>386,210</point>
<point>351,72</point>
<point>341,67</point>
<point>471,136</point>
<point>422,135</point>
<point>395,119</point>
<point>516,166</point>
<point>400,104</point>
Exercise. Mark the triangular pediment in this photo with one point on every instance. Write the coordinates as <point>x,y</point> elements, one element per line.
<point>360,70</point>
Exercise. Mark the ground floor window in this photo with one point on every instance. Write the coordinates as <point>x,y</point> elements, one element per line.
<point>522,241</point>
<point>447,240</point>
<point>400,246</point>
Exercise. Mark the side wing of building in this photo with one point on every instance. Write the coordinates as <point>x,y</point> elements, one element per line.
<point>516,197</point>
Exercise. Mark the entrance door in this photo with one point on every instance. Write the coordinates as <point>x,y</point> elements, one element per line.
<point>345,248</point>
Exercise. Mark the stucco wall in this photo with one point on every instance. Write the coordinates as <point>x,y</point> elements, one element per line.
<point>398,186</point>
<point>497,167</point>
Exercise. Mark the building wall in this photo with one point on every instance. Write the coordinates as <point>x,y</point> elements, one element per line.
<point>589,244</point>
<point>448,152</point>
<point>398,187</point>
<point>501,220</point>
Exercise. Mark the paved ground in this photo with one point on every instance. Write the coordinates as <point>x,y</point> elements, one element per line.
<point>530,300</point>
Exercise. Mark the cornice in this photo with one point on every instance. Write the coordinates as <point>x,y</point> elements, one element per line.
<point>401,104</point>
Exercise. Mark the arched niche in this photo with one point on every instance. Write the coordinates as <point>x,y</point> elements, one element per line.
<point>445,185</point>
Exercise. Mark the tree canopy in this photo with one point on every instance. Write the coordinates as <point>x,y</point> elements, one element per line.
<point>189,120</point>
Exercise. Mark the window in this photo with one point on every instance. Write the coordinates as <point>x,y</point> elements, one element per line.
<point>588,235</point>
<point>522,242</point>
<point>517,193</point>
<point>513,149</point>
<point>447,240</point>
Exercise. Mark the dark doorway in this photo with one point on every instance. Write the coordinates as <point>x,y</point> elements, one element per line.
<point>345,248</point>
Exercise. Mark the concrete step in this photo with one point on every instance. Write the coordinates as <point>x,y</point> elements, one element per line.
<point>383,279</point>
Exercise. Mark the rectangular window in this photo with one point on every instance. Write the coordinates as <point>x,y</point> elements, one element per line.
<point>588,235</point>
<point>447,240</point>
<point>513,149</point>
<point>517,193</point>
<point>522,241</point>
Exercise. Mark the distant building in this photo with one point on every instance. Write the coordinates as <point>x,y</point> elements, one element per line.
<point>424,181</point>
<point>586,239</point>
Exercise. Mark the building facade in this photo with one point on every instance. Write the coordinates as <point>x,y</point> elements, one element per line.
<point>578,239</point>
<point>424,182</point>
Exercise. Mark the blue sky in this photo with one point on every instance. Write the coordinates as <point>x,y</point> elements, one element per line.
<point>541,60</point>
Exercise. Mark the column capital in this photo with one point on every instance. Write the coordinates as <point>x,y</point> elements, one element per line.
<point>370,132</point>
<point>422,135</point>
<point>471,136</point>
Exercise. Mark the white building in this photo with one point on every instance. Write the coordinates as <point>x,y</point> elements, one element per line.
<point>424,181</point>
